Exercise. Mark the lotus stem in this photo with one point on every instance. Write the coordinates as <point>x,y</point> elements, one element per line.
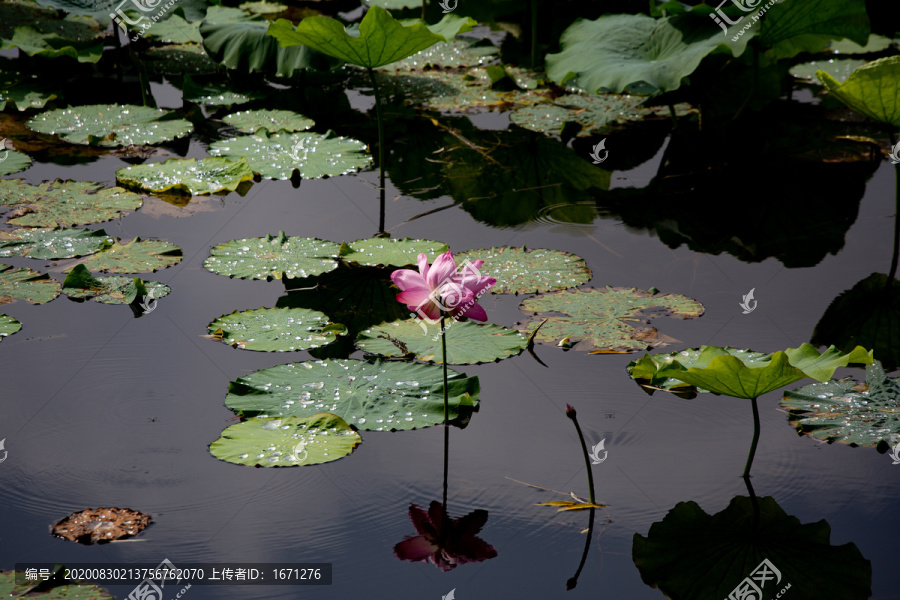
<point>446,409</point>
<point>746,474</point>
<point>570,412</point>
<point>893,270</point>
<point>534,28</point>
<point>380,146</point>
<point>423,10</point>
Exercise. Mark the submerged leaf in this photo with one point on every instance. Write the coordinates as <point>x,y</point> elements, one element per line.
<point>523,271</point>
<point>190,175</point>
<point>65,203</point>
<point>276,329</point>
<point>111,125</point>
<point>272,256</point>
<point>26,284</point>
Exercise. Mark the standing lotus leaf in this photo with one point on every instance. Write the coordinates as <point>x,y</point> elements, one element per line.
<point>523,271</point>
<point>272,256</point>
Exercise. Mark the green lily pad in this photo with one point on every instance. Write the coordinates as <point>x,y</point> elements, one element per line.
<point>278,155</point>
<point>379,396</point>
<point>188,175</point>
<point>111,125</point>
<point>8,326</point>
<point>646,369</point>
<point>26,284</point>
<point>250,121</point>
<point>453,54</point>
<point>376,252</point>
<point>875,43</point>
<point>276,329</point>
<point>12,162</point>
<point>38,591</point>
<point>467,342</point>
<point>25,95</point>
<point>53,243</point>
<point>115,289</point>
<point>846,411</point>
<point>174,30</point>
<point>217,93</point>
<point>873,89</point>
<point>65,202</point>
<point>272,256</point>
<point>600,319</point>
<point>137,256</point>
<point>839,68</point>
<point>179,59</point>
<point>286,442</point>
<point>523,271</point>
<point>380,40</point>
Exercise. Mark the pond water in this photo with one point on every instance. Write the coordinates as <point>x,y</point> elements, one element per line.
<point>102,409</point>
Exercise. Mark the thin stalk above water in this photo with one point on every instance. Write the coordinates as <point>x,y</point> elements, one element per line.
<point>380,147</point>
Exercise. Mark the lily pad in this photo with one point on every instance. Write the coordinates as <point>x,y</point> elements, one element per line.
<point>523,271</point>
<point>8,326</point>
<point>65,202</point>
<point>12,161</point>
<point>101,525</point>
<point>286,442</point>
<point>453,54</point>
<point>53,243</point>
<point>35,42</point>
<point>137,256</point>
<point>278,155</point>
<point>217,93</point>
<point>41,590</point>
<point>391,252</point>
<point>111,125</point>
<point>24,95</point>
<point>115,289</point>
<point>646,369</point>
<point>839,68</point>
<point>467,342</point>
<point>847,411</point>
<point>250,121</point>
<point>179,59</point>
<point>872,90</point>
<point>272,256</point>
<point>875,43</point>
<point>188,175</point>
<point>276,329</point>
<point>600,319</point>
<point>379,396</point>
<point>26,284</point>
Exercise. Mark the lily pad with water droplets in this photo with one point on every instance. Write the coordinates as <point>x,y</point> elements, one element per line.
<point>26,284</point>
<point>376,396</point>
<point>601,319</point>
<point>278,155</point>
<point>205,176</point>
<point>523,271</point>
<point>276,329</point>
<point>8,326</point>
<point>251,121</point>
<point>286,442</point>
<point>114,289</point>
<point>53,243</point>
<point>217,93</point>
<point>846,411</point>
<point>839,68</point>
<point>13,161</point>
<point>137,256</point>
<point>111,125</point>
<point>64,203</point>
<point>272,256</point>
<point>376,252</point>
<point>467,342</point>
<point>457,53</point>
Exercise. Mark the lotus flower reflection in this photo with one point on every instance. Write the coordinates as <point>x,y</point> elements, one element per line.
<point>443,541</point>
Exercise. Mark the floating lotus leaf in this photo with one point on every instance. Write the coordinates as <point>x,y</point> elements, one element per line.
<point>523,271</point>
<point>600,319</point>
<point>456,53</point>
<point>53,243</point>
<point>276,329</point>
<point>690,555</point>
<point>115,289</point>
<point>839,68</point>
<point>875,43</point>
<point>65,202</point>
<point>25,95</point>
<point>137,256</point>
<point>391,252</point>
<point>179,59</point>
<point>250,121</point>
<point>467,342</point>
<point>847,411</point>
<point>190,175</point>
<point>217,93</point>
<point>286,442</point>
<point>101,525</point>
<point>26,284</point>
<point>873,89</point>
<point>278,155</point>
<point>394,4</point>
<point>379,396</point>
<point>12,161</point>
<point>646,369</point>
<point>111,125</point>
<point>272,256</point>
<point>8,326</point>
<point>36,589</point>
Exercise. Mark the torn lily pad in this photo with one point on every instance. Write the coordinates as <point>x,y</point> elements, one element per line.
<point>376,252</point>
<point>101,525</point>
<point>272,256</point>
<point>375,396</point>
<point>137,256</point>
<point>114,289</point>
<point>8,326</point>
<point>523,271</point>
<point>605,320</point>
<point>13,161</point>
<point>111,125</point>
<point>188,175</point>
<point>26,284</point>
<point>251,121</point>
<point>467,342</point>
<point>276,329</point>
<point>312,155</point>
<point>846,411</point>
<point>286,442</point>
<point>64,203</point>
<point>53,244</point>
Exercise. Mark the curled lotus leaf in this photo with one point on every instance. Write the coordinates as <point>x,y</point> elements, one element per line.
<point>190,175</point>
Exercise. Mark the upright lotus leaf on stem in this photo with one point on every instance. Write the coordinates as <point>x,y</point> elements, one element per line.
<point>872,90</point>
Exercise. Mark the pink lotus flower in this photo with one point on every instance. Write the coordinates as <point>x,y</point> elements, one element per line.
<point>443,288</point>
<point>443,541</point>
